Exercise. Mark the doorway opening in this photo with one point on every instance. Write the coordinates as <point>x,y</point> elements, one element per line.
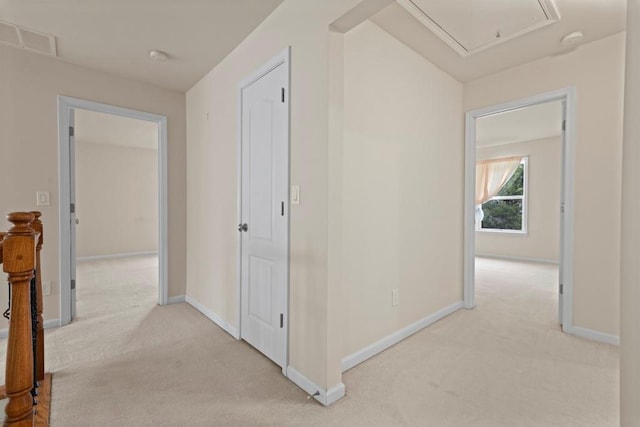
<point>504,143</point>
<point>113,210</point>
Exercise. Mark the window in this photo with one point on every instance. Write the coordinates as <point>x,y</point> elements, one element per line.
<point>507,212</point>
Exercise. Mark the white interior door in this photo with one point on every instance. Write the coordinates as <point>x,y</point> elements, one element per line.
<point>72,207</point>
<point>264,213</point>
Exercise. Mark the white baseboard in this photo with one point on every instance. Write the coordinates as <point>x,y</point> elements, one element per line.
<point>48,324</point>
<point>228,327</point>
<point>326,397</point>
<point>176,300</point>
<point>590,334</point>
<point>518,258</point>
<point>113,256</point>
<point>377,347</point>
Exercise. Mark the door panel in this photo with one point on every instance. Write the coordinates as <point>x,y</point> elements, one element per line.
<point>261,116</point>
<point>264,193</point>
<point>260,289</point>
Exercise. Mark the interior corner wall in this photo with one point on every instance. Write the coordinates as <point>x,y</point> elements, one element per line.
<point>403,169</point>
<point>542,240</point>
<point>29,86</point>
<point>116,199</point>
<point>630,244</point>
<point>597,72</point>
<point>212,181</point>
<point>336,303</point>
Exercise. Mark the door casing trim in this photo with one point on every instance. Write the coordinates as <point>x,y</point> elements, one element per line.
<point>568,95</point>
<point>65,104</point>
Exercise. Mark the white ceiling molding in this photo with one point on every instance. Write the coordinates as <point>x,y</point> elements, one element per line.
<point>504,20</point>
<point>24,38</point>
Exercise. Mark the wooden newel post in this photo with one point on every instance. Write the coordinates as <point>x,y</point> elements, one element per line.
<point>19,249</point>
<point>37,227</point>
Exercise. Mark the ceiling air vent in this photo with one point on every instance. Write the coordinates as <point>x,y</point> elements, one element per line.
<point>20,37</point>
<point>9,34</point>
<point>470,26</point>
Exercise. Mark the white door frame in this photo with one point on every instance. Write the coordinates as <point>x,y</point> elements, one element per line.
<point>568,95</point>
<point>65,104</point>
<point>283,57</point>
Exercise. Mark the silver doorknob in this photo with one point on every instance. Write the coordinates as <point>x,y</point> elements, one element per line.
<point>243,227</point>
<point>77,221</point>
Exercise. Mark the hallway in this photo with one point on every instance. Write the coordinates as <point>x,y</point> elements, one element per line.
<point>129,362</point>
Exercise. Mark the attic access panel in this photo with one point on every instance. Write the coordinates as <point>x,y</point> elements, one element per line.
<point>470,26</point>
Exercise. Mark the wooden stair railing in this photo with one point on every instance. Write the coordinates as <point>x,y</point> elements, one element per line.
<point>19,261</point>
<point>20,257</point>
<point>36,224</point>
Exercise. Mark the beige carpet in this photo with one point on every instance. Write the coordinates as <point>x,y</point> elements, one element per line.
<point>128,362</point>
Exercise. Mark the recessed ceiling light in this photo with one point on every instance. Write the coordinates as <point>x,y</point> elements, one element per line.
<point>572,38</point>
<point>158,55</point>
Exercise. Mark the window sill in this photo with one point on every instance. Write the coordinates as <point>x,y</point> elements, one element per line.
<point>498,231</point>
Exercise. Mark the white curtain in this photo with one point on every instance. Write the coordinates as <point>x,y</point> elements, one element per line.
<point>492,175</point>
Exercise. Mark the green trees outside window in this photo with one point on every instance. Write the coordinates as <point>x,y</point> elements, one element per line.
<point>506,210</point>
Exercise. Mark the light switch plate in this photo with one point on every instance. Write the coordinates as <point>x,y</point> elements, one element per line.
<point>295,194</point>
<point>46,287</point>
<point>42,198</point>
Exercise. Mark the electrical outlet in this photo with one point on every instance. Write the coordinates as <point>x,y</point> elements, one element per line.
<point>46,287</point>
<point>395,297</point>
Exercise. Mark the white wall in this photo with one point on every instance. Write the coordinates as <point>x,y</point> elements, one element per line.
<point>212,278</point>
<point>542,241</point>
<point>29,86</point>
<point>630,245</point>
<point>402,186</point>
<point>597,72</point>
<point>212,179</point>
<point>336,303</point>
<point>116,199</point>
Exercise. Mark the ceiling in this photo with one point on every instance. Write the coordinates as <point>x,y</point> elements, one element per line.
<point>116,35</point>
<point>524,124</point>
<point>469,26</point>
<point>100,128</point>
<point>595,18</point>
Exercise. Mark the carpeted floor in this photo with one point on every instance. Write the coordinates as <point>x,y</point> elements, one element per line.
<point>127,362</point>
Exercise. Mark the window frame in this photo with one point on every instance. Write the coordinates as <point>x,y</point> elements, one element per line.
<point>525,205</point>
